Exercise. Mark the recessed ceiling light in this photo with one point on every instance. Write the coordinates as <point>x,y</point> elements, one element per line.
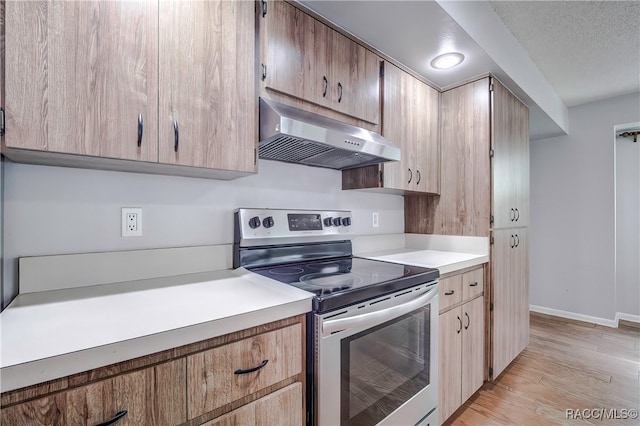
<point>447,60</point>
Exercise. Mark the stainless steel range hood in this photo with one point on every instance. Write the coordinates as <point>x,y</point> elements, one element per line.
<point>296,136</point>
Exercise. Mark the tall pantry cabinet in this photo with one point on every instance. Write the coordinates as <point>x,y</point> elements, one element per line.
<point>509,221</point>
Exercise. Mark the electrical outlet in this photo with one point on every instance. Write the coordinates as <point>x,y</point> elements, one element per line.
<point>375,220</point>
<point>131,222</point>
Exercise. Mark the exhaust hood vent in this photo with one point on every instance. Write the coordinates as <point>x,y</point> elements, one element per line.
<point>296,136</point>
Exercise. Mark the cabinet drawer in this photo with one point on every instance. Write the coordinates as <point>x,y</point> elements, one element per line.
<point>214,379</point>
<point>154,395</point>
<point>450,291</point>
<point>472,283</point>
<point>282,407</point>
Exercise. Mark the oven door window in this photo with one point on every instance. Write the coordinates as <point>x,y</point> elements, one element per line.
<point>383,367</point>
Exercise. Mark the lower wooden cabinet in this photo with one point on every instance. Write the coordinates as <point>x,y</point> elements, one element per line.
<point>253,376</point>
<point>461,342</point>
<point>282,407</point>
<point>154,395</point>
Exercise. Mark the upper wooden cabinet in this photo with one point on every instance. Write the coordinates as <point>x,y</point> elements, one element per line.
<point>510,165</point>
<point>80,76</point>
<point>410,120</point>
<point>91,83</point>
<point>207,90</point>
<point>304,58</point>
<point>463,206</point>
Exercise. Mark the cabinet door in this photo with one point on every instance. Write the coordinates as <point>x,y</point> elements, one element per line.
<point>398,100</point>
<point>79,75</point>
<point>208,104</point>
<point>354,85</point>
<point>510,164</point>
<point>287,39</point>
<point>410,111</point>
<point>155,395</point>
<point>520,274</point>
<point>425,118</point>
<point>283,407</point>
<point>510,294</point>
<point>472,347</point>
<point>449,361</point>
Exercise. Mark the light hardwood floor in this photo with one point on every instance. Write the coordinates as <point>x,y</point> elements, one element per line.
<point>568,365</point>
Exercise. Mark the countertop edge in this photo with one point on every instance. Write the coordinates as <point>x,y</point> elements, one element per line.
<point>34,372</point>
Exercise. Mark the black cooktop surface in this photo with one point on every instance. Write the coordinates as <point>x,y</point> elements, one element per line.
<point>344,281</point>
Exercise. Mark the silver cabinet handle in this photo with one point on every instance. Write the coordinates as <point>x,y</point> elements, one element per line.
<point>339,92</point>
<point>325,83</point>
<point>517,240</point>
<point>378,317</point>
<point>513,214</point>
<point>418,173</point>
<point>513,241</point>
<point>459,320</point>
<point>517,215</point>
<point>468,321</point>
<point>410,176</point>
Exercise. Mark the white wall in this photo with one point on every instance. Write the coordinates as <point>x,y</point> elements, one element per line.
<point>628,224</point>
<point>572,213</point>
<point>54,210</point>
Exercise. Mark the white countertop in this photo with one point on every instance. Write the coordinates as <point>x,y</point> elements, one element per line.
<point>53,334</point>
<point>445,261</point>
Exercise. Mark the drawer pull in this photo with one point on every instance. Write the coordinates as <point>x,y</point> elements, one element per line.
<point>140,130</point>
<point>473,284</point>
<point>449,293</point>
<point>251,370</point>
<point>113,419</point>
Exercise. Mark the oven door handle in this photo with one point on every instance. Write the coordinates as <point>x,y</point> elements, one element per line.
<point>378,317</point>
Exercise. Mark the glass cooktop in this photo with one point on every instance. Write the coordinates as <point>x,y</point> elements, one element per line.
<point>344,281</point>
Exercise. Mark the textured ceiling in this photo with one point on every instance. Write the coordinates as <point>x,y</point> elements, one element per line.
<point>587,50</point>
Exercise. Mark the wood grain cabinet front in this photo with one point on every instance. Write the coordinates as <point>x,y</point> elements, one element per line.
<point>410,120</point>
<point>163,83</point>
<point>282,407</point>
<point>510,296</point>
<point>460,339</point>
<point>82,78</point>
<point>155,395</point>
<point>306,59</point>
<point>228,373</point>
<point>510,161</point>
<point>207,84</point>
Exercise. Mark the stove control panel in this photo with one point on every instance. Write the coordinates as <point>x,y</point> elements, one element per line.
<point>276,226</point>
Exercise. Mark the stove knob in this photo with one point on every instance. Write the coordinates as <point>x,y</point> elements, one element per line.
<point>337,221</point>
<point>346,221</point>
<point>267,222</point>
<point>254,222</point>
<point>328,221</point>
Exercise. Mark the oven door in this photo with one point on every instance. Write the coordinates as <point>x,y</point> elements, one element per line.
<point>377,361</point>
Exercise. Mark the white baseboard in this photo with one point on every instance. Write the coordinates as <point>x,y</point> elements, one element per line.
<point>627,317</point>
<point>574,316</point>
